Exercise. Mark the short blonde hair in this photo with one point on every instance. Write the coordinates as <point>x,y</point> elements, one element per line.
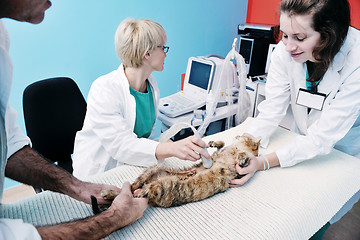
<point>135,37</point>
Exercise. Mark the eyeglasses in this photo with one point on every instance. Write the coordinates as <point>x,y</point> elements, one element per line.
<point>164,48</point>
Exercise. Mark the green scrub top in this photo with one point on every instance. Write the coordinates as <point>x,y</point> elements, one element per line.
<point>312,87</point>
<point>145,112</point>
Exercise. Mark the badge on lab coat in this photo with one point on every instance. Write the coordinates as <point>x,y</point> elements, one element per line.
<point>311,100</point>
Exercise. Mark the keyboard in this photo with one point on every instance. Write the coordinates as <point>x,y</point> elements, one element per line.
<point>178,104</point>
<point>181,100</point>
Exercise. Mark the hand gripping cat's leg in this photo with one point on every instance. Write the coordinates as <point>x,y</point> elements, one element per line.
<point>244,161</point>
<point>109,194</point>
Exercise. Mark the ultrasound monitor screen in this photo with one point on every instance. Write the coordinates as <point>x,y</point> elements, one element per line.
<point>245,49</point>
<point>200,74</point>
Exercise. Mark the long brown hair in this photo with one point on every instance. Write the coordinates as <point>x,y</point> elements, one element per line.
<point>331,18</point>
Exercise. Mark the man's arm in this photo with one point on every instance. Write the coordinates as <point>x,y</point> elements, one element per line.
<point>124,210</point>
<point>27,166</point>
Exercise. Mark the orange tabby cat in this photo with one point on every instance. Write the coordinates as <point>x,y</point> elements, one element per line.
<point>171,187</point>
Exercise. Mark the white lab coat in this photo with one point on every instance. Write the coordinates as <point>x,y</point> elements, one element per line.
<point>15,140</point>
<point>338,123</point>
<point>107,139</point>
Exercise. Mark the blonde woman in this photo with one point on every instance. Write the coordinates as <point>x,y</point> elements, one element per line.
<point>123,106</point>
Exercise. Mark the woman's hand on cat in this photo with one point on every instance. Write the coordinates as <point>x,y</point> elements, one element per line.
<point>126,208</point>
<point>189,148</point>
<point>246,172</point>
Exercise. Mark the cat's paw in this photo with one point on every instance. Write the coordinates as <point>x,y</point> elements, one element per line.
<point>139,193</point>
<point>136,185</point>
<point>244,159</point>
<point>217,144</point>
<point>109,194</point>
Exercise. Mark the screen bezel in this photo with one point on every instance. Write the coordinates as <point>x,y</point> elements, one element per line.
<point>248,40</point>
<point>193,89</point>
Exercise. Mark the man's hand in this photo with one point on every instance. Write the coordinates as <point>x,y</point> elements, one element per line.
<point>125,209</point>
<point>128,208</point>
<point>86,189</point>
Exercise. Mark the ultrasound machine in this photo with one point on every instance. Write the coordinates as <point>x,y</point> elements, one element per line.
<point>188,105</point>
<point>197,84</point>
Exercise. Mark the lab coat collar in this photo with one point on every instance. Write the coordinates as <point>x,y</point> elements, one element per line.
<point>123,76</point>
<point>125,86</point>
<point>299,112</point>
<point>123,81</point>
<point>329,85</point>
<point>332,80</point>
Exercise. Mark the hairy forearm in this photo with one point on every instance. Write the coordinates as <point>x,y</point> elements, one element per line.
<point>28,167</point>
<point>95,227</point>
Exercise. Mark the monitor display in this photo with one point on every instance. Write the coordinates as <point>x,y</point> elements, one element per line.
<point>200,74</point>
<point>246,49</point>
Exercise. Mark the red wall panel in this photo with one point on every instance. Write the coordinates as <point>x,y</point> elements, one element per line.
<point>267,12</point>
<point>355,13</point>
<point>263,12</point>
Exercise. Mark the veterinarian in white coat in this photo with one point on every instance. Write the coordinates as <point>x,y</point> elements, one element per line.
<point>337,125</point>
<point>122,108</point>
<point>308,42</point>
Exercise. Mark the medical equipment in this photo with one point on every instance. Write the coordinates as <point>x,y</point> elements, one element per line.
<point>216,95</point>
<point>254,44</point>
<point>198,80</point>
<point>202,74</point>
<point>227,100</point>
<point>196,118</point>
